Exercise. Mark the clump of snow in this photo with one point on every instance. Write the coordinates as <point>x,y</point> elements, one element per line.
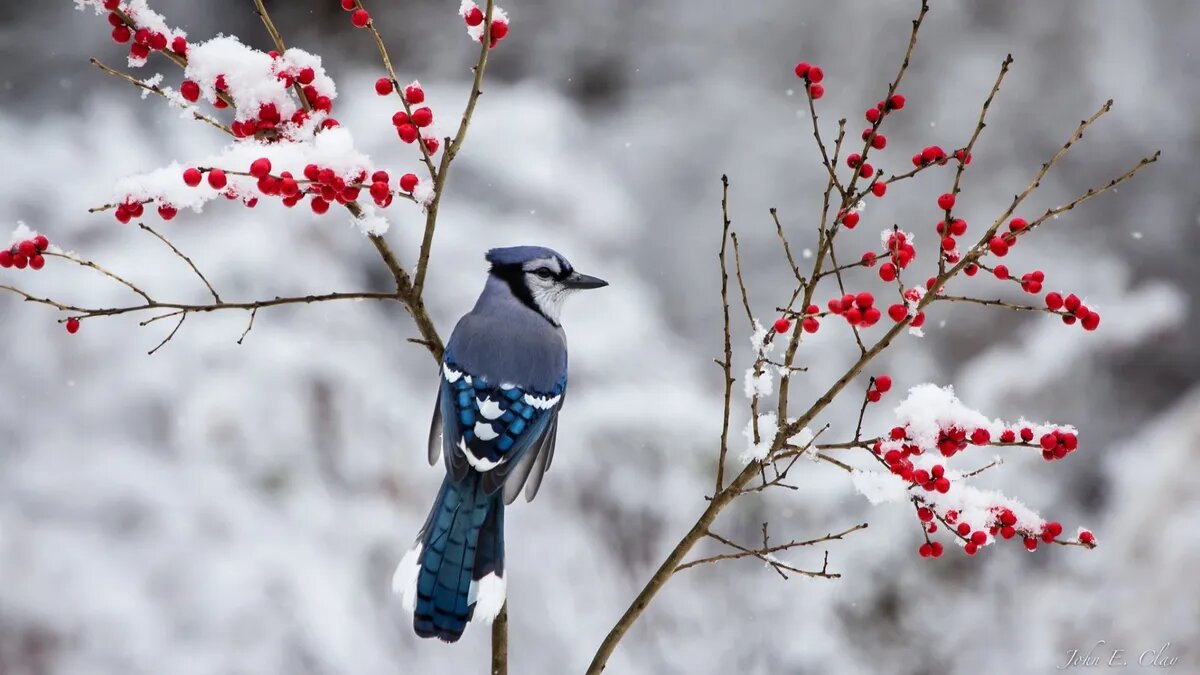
<point>21,233</point>
<point>424,192</point>
<point>757,386</point>
<point>929,409</point>
<point>758,340</point>
<point>879,487</point>
<point>767,425</point>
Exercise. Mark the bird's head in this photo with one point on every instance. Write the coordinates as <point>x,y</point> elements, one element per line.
<point>539,277</point>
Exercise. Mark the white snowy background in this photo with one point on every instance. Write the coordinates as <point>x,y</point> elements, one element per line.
<point>217,508</point>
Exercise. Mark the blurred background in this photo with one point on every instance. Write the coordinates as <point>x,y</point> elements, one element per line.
<point>217,508</point>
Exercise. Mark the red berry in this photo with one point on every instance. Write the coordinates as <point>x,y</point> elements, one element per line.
<point>319,206</point>
<point>349,5</point>
<point>1054,301</point>
<point>864,300</point>
<point>998,246</point>
<point>937,549</point>
<point>815,74</point>
<point>179,45</point>
<point>158,42</point>
<point>879,142</point>
<point>816,91</point>
<point>1017,224</point>
<point>802,69</point>
<point>946,201</point>
<point>190,91</point>
<point>166,211</point>
<point>192,176</point>
<point>782,325</point>
<point>110,5</point>
<point>414,94</point>
<point>850,220</point>
<point>422,117</point>
<point>26,248</point>
<point>431,145</point>
<point>499,30</point>
<point>1091,321</point>
<point>897,312</point>
<point>121,34</point>
<point>873,115</point>
<point>407,132</point>
<point>408,182</point>
<point>810,324</point>
<point>41,243</point>
<point>360,18</point>
<point>883,383</point>
<point>1087,538</point>
<point>36,261</point>
<point>926,550</point>
<point>866,170</point>
<point>474,16</point>
<point>879,188</point>
<point>72,325</point>
<point>6,259</point>
<point>383,86</point>
<point>887,271</point>
<point>896,102</point>
<point>216,179</point>
<point>873,396</point>
<point>306,76</point>
<point>978,537</point>
<point>140,52</point>
<point>260,167</point>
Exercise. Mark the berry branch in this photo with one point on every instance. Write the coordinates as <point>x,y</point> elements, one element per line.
<point>913,463</point>
<point>277,108</point>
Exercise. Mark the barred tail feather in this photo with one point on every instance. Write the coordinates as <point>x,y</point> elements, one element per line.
<point>456,569</point>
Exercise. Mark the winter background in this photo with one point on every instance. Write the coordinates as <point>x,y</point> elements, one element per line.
<point>217,508</point>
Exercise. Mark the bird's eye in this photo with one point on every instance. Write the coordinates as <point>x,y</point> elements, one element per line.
<point>543,272</point>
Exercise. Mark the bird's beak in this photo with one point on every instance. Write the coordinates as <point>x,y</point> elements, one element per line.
<point>582,281</point>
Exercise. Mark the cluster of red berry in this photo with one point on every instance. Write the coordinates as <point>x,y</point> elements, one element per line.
<point>474,17</point>
<point>812,76</point>
<point>858,310</point>
<point>408,127</point>
<point>1072,310</point>
<point>144,40</point>
<point>26,253</point>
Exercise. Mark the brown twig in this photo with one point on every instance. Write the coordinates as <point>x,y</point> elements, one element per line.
<point>451,152</point>
<point>216,297</point>
<point>158,90</point>
<point>766,550</point>
<point>727,364</point>
<point>182,318</point>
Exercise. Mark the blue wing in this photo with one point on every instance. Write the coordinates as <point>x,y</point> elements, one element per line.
<point>501,430</point>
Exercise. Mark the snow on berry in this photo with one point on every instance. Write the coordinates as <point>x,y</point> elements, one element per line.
<point>332,150</point>
<point>474,16</point>
<point>253,79</point>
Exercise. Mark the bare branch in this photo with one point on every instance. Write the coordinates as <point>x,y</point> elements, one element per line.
<point>216,298</point>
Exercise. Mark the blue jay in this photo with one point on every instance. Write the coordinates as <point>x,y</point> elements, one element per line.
<point>503,379</point>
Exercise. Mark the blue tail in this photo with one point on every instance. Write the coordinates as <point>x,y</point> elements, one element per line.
<point>462,542</point>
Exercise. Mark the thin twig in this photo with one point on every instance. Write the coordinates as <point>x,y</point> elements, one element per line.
<point>87,263</point>
<point>451,152</point>
<point>167,339</point>
<point>158,90</point>
<point>186,259</point>
<point>727,364</point>
<point>253,313</point>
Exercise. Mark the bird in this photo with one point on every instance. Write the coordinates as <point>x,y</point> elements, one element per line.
<point>502,383</point>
